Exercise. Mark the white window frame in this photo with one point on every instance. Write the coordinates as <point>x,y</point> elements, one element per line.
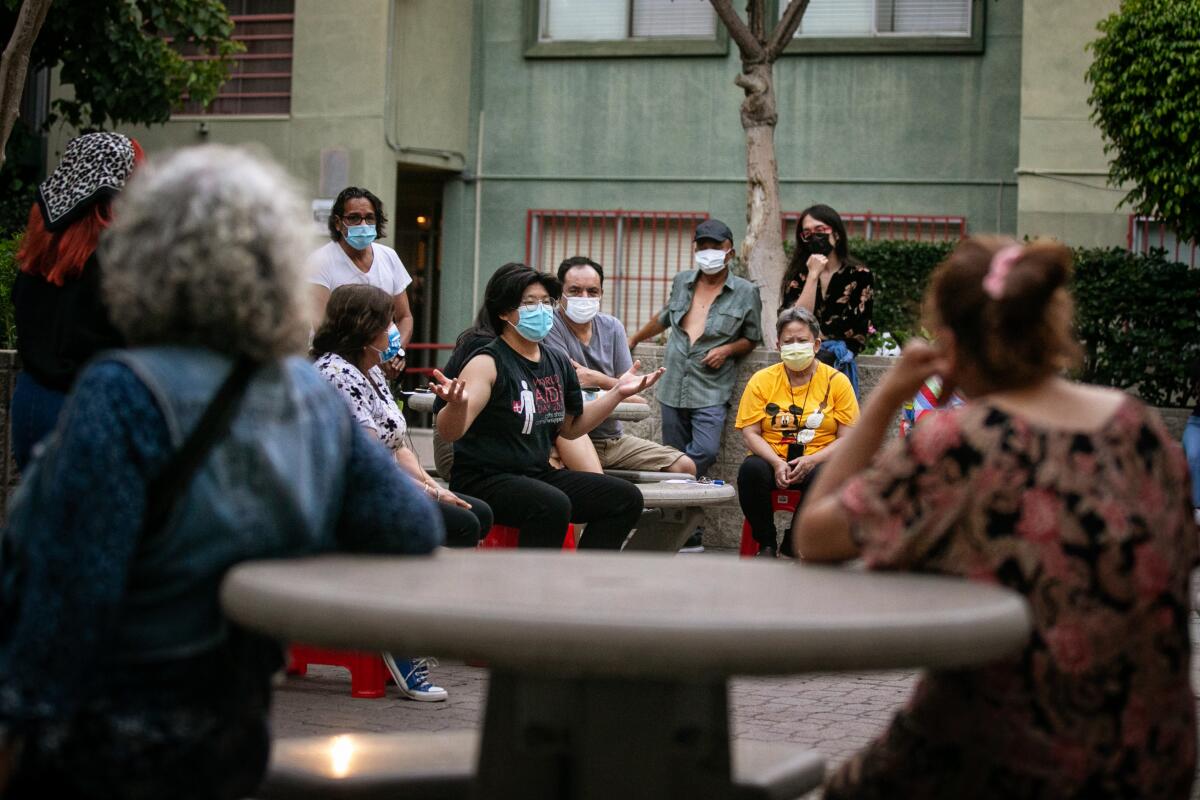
<point>875,32</point>
<point>876,41</point>
<point>543,7</point>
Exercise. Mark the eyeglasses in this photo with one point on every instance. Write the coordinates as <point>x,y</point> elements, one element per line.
<point>532,305</point>
<point>820,230</point>
<point>358,219</point>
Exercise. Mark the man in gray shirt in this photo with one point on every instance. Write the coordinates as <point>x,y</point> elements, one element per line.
<point>598,347</point>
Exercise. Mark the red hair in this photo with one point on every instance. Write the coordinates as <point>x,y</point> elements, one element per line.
<point>59,257</point>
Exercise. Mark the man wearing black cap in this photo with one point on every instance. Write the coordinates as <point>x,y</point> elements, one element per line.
<point>717,319</point>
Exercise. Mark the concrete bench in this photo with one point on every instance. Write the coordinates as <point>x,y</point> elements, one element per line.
<point>673,510</point>
<point>442,765</point>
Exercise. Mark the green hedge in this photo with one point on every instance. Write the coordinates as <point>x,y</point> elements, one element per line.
<point>1137,316</point>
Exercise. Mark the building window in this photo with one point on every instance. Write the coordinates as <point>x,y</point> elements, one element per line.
<point>907,227</point>
<point>624,28</point>
<point>886,18</point>
<point>609,20</point>
<point>863,26</point>
<point>640,251</point>
<point>260,80</point>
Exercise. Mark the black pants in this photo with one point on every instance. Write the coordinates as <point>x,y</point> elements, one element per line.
<point>541,506</point>
<point>755,482</point>
<point>466,526</point>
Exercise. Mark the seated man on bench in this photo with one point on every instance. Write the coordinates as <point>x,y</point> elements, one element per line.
<point>598,348</point>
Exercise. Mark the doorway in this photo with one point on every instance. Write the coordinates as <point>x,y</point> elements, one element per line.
<point>417,237</point>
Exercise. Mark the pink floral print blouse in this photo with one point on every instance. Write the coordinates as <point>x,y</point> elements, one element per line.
<point>1095,529</point>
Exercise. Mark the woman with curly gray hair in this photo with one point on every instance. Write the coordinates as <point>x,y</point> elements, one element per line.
<point>209,442</point>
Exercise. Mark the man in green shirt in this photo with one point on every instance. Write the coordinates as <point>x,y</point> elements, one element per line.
<point>716,317</point>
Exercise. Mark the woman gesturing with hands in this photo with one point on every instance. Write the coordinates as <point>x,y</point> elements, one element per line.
<point>511,400</point>
<point>453,391</point>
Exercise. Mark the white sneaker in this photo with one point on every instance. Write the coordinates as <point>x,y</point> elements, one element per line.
<point>412,678</point>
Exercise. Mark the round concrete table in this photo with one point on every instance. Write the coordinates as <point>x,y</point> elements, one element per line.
<point>626,412</point>
<point>609,670</point>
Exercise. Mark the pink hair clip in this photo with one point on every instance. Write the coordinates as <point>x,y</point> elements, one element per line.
<point>998,269</point>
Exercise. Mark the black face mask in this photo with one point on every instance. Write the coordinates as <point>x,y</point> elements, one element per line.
<point>819,244</point>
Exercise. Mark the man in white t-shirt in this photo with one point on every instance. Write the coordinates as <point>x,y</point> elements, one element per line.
<point>355,222</point>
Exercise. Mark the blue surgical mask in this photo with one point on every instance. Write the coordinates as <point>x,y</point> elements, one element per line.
<point>535,322</point>
<point>360,236</point>
<point>393,349</point>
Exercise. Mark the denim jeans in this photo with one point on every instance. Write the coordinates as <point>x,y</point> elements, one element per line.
<point>34,413</point>
<point>695,431</point>
<point>1191,446</point>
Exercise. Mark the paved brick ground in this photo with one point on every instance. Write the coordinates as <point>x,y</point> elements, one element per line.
<point>835,714</point>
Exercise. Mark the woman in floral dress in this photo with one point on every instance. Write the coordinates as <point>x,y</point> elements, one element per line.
<point>1073,495</point>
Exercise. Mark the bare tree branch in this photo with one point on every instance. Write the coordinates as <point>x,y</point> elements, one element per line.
<point>751,49</point>
<point>14,64</point>
<point>786,28</point>
<point>756,20</point>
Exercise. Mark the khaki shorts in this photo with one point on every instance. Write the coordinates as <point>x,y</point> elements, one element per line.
<point>630,452</point>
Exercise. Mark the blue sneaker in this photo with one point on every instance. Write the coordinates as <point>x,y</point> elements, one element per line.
<point>412,678</point>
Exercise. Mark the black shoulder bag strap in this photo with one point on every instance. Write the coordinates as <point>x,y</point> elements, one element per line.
<point>169,485</point>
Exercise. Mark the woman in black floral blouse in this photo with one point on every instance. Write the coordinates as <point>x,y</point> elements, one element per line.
<point>1076,497</point>
<point>824,278</point>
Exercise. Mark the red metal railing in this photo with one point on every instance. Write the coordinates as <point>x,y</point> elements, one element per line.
<point>915,227</point>
<point>426,354</point>
<point>261,82</point>
<point>641,251</point>
<point>1146,234</point>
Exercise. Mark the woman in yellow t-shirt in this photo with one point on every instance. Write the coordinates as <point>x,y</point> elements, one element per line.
<point>791,416</point>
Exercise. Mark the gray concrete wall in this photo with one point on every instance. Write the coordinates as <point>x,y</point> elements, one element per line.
<point>723,523</point>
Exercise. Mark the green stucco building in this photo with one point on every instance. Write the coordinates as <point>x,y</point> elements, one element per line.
<point>499,130</point>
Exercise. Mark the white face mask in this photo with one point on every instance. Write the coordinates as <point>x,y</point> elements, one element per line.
<point>797,355</point>
<point>582,309</point>
<point>710,262</point>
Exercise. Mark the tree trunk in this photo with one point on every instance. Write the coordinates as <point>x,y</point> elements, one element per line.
<point>762,249</point>
<point>14,64</point>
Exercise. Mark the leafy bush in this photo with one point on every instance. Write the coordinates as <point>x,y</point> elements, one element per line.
<point>1146,101</point>
<point>1139,320</point>
<point>8,274</point>
<point>1137,316</point>
<point>901,271</point>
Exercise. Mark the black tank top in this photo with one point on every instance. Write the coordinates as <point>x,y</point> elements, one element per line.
<point>516,429</point>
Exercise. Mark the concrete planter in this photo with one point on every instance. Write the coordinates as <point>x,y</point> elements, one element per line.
<point>723,524</point>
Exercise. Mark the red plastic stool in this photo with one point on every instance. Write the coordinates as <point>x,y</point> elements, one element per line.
<point>368,675</point>
<point>781,500</point>
<point>504,537</point>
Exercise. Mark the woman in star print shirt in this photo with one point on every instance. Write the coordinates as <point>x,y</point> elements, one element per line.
<point>347,348</point>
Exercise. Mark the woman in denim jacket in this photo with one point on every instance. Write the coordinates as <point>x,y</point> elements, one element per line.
<point>119,676</point>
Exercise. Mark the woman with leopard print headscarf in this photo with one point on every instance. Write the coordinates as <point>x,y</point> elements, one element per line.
<point>60,319</point>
